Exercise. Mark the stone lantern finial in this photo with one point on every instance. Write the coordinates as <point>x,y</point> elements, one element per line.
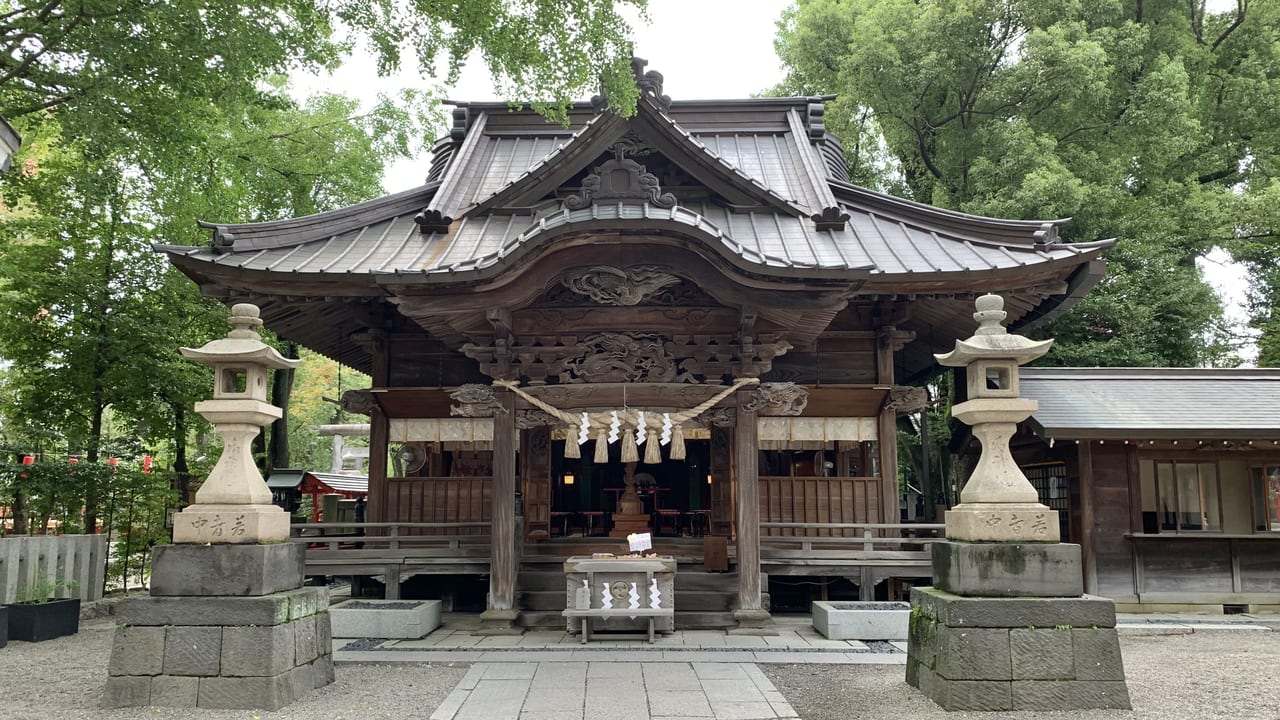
<point>998,503</point>
<point>234,504</point>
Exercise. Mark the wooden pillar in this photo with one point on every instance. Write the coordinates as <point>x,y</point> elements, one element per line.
<point>887,428</point>
<point>501,610</point>
<point>1087,534</point>
<point>377,505</point>
<point>750,612</point>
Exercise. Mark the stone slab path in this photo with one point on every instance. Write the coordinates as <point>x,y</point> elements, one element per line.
<point>614,690</point>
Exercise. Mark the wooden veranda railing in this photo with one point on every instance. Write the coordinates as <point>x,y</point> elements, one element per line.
<point>395,551</point>
<point>864,552</point>
<point>825,503</point>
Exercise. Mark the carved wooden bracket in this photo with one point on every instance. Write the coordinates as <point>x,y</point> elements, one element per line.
<point>474,401</point>
<point>526,419</point>
<point>906,399</point>
<point>894,338</point>
<point>778,399</point>
<point>720,417</point>
<point>359,402</point>
<point>627,357</point>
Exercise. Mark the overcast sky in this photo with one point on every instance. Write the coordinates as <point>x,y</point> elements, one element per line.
<point>704,49</point>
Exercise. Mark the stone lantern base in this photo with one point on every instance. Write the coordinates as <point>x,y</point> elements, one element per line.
<point>226,626</point>
<point>1008,628</point>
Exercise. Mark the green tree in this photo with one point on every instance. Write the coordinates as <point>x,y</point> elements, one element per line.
<point>1148,121</point>
<point>113,70</point>
<point>85,303</point>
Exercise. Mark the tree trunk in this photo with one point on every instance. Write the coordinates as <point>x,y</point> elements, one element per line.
<point>19,510</point>
<point>281,391</point>
<point>91,457</point>
<point>181,473</point>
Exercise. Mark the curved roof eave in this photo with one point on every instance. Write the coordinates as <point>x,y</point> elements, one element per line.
<point>246,237</point>
<point>977,228</point>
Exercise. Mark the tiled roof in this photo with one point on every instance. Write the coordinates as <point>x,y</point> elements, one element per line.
<point>874,241</point>
<point>1153,403</point>
<point>759,150</point>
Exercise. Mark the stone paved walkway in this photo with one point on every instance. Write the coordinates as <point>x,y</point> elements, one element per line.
<point>614,690</point>
<point>549,675</point>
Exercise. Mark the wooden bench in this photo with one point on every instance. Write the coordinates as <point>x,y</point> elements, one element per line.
<point>587,613</point>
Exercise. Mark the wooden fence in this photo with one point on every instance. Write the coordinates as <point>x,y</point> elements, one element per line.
<point>71,564</point>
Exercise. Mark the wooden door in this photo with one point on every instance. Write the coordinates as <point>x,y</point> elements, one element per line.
<point>721,481</point>
<point>535,481</point>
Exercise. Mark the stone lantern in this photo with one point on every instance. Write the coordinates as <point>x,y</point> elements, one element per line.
<point>234,504</point>
<point>998,503</point>
<point>227,622</point>
<point>1006,625</point>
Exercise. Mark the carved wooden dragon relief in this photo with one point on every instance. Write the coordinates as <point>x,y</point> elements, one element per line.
<point>616,286</point>
<point>622,357</point>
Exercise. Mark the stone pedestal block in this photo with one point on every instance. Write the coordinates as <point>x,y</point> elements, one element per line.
<point>1008,569</point>
<point>259,652</point>
<point>1003,654</point>
<point>226,570</point>
<point>234,524</point>
<point>1003,522</point>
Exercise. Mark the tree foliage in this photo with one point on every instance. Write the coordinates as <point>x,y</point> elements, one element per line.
<point>1148,121</point>
<point>115,68</point>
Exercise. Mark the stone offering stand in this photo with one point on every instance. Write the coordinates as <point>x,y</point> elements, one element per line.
<point>228,623</point>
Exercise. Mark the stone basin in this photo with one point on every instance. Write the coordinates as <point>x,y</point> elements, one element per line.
<point>858,620</point>
<point>403,619</point>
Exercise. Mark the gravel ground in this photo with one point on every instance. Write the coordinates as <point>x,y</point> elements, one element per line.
<point>1215,674</point>
<point>1212,674</point>
<point>63,679</point>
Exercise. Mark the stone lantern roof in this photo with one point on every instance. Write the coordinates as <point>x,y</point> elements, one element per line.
<point>242,344</point>
<point>991,341</point>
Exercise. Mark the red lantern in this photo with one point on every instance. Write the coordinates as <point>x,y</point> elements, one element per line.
<point>73,459</point>
<point>113,461</point>
<point>28,459</point>
<point>146,463</point>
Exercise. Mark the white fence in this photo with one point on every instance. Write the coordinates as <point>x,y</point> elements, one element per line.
<point>73,563</point>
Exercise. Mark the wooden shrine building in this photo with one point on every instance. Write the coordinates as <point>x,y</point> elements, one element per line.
<point>708,250</point>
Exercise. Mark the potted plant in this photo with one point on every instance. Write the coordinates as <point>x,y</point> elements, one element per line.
<point>40,615</point>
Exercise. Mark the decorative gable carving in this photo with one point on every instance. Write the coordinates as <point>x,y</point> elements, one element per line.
<point>620,179</point>
<point>614,286</point>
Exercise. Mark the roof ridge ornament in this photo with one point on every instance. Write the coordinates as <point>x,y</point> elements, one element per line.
<point>432,221</point>
<point>620,178</point>
<point>831,218</point>
<point>649,84</point>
